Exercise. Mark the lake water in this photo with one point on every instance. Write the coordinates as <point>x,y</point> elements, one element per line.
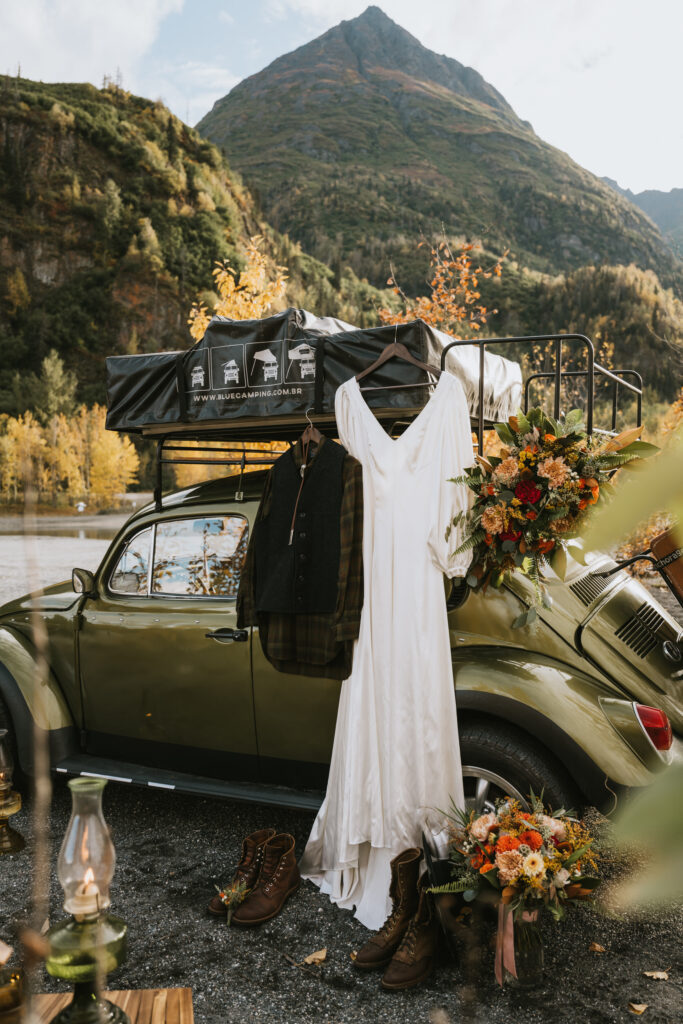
<point>55,546</point>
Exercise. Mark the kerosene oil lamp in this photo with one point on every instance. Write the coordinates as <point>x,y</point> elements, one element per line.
<point>10,801</point>
<point>91,943</point>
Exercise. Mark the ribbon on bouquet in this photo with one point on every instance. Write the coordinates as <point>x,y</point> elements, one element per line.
<point>505,939</point>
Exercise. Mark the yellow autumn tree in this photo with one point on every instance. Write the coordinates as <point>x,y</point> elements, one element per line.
<point>242,295</point>
<point>65,459</point>
<point>113,460</point>
<point>453,303</point>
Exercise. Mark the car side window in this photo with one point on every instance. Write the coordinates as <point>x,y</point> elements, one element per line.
<point>200,557</point>
<point>131,575</point>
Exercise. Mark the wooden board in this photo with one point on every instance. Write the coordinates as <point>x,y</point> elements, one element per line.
<point>143,1006</point>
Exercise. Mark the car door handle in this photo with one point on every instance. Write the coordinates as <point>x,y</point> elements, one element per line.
<point>226,636</point>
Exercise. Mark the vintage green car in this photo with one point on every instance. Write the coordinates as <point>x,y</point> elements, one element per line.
<point>150,681</point>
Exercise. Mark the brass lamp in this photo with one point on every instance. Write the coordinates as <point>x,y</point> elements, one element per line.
<point>10,801</point>
<point>91,943</point>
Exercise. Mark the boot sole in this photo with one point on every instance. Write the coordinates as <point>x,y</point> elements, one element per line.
<point>217,913</point>
<point>372,967</point>
<point>408,984</point>
<point>269,917</point>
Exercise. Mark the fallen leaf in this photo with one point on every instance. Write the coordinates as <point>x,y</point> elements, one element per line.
<point>5,952</point>
<point>354,955</point>
<point>637,1008</point>
<point>595,947</point>
<point>658,975</point>
<point>315,958</point>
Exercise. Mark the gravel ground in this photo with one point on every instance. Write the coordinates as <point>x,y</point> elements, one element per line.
<point>171,849</point>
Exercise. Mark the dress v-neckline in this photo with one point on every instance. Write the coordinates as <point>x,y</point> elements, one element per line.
<point>422,413</point>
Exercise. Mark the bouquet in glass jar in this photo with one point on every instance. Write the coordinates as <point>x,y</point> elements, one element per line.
<point>535,495</point>
<point>526,862</point>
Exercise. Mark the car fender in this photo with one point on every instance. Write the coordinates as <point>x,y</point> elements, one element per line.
<point>32,704</point>
<point>580,720</point>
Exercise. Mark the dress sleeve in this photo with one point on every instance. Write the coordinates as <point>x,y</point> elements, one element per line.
<point>246,607</point>
<point>456,453</point>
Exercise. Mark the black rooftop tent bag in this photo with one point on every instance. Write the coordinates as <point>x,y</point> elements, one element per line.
<point>260,377</point>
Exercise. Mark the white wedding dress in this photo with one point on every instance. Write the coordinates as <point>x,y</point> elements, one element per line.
<point>396,745</point>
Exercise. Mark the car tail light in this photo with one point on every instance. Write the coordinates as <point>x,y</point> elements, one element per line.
<point>656,725</point>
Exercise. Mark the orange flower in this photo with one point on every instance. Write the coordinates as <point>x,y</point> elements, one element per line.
<point>506,843</point>
<point>550,437</point>
<point>488,539</point>
<point>532,838</point>
<point>477,860</point>
<point>545,545</point>
<point>486,867</point>
<point>531,514</point>
<point>582,504</point>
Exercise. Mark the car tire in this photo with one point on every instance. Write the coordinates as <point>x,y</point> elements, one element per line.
<point>500,760</point>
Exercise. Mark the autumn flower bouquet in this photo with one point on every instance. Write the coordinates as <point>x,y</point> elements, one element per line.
<point>527,862</point>
<point>535,496</point>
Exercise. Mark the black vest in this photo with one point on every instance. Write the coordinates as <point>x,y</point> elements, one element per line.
<point>301,577</point>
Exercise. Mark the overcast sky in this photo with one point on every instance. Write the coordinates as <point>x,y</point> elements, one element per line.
<point>600,79</point>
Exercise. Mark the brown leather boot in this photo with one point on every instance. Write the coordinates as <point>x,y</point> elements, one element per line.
<point>278,879</point>
<point>414,959</point>
<point>247,870</point>
<point>378,950</point>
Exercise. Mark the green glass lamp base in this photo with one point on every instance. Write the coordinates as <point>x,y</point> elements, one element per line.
<point>11,841</point>
<point>88,1007</point>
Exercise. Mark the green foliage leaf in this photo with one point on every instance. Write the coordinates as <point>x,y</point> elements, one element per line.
<point>469,895</point>
<point>523,424</point>
<point>573,418</point>
<point>504,433</point>
<point>643,449</point>
<point>558,561</point>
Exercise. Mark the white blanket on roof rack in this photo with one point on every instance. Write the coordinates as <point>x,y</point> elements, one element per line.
<point>502,377</point>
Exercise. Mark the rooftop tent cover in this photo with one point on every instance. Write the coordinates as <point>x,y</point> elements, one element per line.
<point>245,374</point>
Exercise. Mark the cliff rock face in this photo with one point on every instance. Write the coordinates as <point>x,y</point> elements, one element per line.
<point>112,215</point>
<point>363,140</point>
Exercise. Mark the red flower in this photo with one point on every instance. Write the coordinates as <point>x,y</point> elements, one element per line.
<point>532,514</point>
<point>532,838</point>
<point>510,535</point>
<point>527,491</point>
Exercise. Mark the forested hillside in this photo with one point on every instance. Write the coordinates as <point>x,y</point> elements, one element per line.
<point>363,140</point>
<point>112,213</point>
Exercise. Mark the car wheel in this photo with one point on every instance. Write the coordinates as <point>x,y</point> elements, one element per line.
<point>499,760</point>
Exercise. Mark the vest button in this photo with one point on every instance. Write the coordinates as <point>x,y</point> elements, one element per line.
<point>302,536</point>
<point>302,557</point>
<point>302,515</point>
<point>300,579</point>
<point>299,599</point>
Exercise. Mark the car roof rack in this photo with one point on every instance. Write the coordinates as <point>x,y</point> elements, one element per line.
<point>170,452</point>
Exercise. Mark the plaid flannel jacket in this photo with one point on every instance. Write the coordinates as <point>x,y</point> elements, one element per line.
<point>314,645</point>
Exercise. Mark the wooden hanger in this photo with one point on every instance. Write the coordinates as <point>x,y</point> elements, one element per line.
<point>397,349</point>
